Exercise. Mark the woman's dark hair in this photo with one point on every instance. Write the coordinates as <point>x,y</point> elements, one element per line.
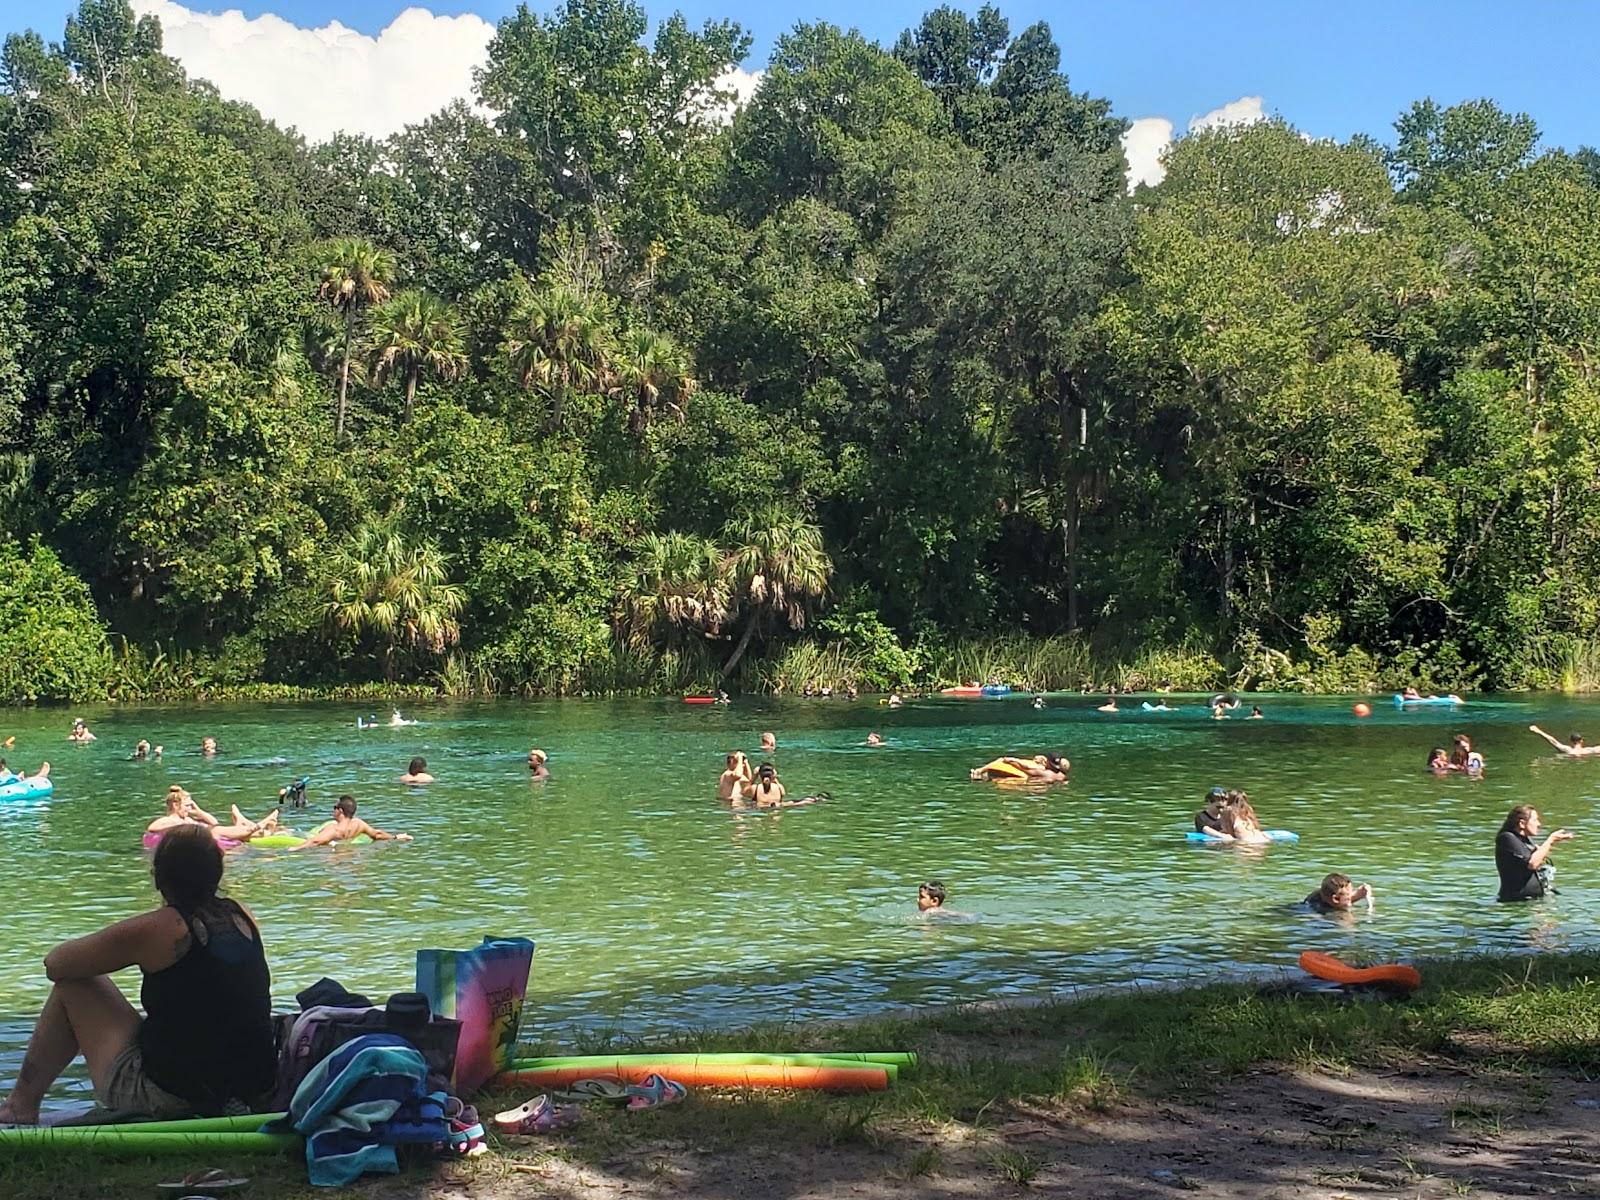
<point>187,867</point>
<point>1516,817</point>
<point>418,766</point>
<point>346,804</point>
<point>767,771</point>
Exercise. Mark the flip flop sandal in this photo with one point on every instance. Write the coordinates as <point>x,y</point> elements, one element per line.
<point>206,1180</point>
<point>466,1131</point>
<point>594,1091</point>
<point>655,1092</point>
<point>539,1115</point>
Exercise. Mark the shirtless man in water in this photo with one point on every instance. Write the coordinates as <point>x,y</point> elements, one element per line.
<point>1574,747</point>
<point>731,784</point>
<point>346,825</point>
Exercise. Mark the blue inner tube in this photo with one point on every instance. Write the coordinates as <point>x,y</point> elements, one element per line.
<point>1276,835</point>
<point>996,689</point>
<point>26,789</point>
<point>1401,701</point>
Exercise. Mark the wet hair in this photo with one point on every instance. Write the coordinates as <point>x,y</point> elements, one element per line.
<point>768,771</point>
<point>1436,754</point>
<point>418,766</point>
<point>1573,739</point>
<point>1217,795</point>
<point>1516,817</point>
<point>733,758</point>
<point>346,804</point>
<point>187,867</point>
<point>934,890</point>
<point>1333,884</point>
<point>537,755</point>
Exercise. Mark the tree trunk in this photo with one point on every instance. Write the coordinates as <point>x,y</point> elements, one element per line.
<point>1226,575</point>
<point>344,374</point>
<point>738,651</point>
<point>411,394</point>
<point>1069,544</point>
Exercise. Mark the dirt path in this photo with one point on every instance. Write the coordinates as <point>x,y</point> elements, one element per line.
<point>1429,1132</point>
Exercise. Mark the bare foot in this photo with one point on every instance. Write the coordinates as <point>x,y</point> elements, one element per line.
<point>43,772</point>
<point>10,1115</point>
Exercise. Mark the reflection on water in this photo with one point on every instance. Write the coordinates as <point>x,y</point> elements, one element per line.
<point>655,907</point>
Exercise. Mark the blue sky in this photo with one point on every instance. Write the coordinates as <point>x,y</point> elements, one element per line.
<point>1332,69</point>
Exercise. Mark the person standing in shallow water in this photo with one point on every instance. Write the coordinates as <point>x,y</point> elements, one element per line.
<point>1523,862</point>
<point>205,1042</point>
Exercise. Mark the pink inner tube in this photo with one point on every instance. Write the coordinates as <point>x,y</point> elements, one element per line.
<point>152,840</point>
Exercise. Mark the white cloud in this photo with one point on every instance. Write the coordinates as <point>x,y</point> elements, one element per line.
<point>333,78</point>
<point>1246,110</point>
<point>1147,138</point>
<point>1144,143</point>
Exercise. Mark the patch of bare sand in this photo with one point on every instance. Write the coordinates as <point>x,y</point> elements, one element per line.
<point>1420,1133</point>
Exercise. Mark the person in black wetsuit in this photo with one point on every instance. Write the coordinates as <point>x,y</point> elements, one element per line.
<point>1521,859</point>
<point>205,1043</point>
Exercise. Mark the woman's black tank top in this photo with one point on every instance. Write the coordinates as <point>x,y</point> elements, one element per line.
<point>207,1032</point>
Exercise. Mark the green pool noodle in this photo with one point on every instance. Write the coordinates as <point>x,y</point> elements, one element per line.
<point>140,1142</point>
<point>248,1123</point>
<point>602,1061</point>
<point>271,841</point>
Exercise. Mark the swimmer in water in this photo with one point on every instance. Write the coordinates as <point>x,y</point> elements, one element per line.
<point>1464,757</point>
<point>735,779</point>
<point>1574,747</point>
<point>80,731</point>
<point>1337,894</point>
<point>930,896</point>
<point>396,720</point>
<point>141,751</point>
<point>1038,701</point>
<point>208,747</point>
<point>1219,712</point>
<point>1256,713</point>
<point>537,771</point>
<point>346,825</point>
<point>769,742</point>
<point>1110,706</point>
<point>766,791</point>
<point>874,740</point>
<point>1209,819</point>
<point>1439,761</point>
<point>417,772</point>
<point>894,700</point>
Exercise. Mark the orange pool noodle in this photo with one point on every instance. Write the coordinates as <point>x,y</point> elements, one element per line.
<point>821,1079</point>
<point>1391,975</point>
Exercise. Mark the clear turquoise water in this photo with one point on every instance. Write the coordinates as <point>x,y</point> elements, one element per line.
<point>655,908</point>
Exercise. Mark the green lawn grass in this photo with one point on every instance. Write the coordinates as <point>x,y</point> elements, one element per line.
<point>1494,1015</point>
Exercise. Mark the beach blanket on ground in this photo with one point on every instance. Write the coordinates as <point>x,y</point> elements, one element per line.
<point>356,1104</point>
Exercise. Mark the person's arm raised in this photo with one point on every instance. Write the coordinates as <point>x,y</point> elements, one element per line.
<point>1555,744</point>
<point>151,941</point>
<point>1538,857</point>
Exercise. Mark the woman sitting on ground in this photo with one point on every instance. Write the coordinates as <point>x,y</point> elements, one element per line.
<point>182,811</point>
<point>205,1043</point>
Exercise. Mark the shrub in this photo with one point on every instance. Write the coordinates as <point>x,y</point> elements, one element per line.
<point>52,644</point>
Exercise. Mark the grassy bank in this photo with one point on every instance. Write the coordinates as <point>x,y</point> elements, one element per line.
<point>1490,1020</point>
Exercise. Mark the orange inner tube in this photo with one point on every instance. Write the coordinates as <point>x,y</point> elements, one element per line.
<point>1393,975</point>
<point>821,1079</point>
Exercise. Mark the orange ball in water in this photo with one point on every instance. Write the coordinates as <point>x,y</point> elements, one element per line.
<point>1361,710</point>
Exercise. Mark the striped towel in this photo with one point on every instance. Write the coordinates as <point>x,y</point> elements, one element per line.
<point>354,1105</point>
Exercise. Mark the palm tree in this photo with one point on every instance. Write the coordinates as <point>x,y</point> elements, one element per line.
<point>678,585</point>
<point>416,331</point>
<point>558,342</point>
<point>355,276</point>
<point>385,587</point>
<point>655,370</point>
<point>777,570</point>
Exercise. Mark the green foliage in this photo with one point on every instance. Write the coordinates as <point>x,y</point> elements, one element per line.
<point>652,381</point>
<point>52,645</point>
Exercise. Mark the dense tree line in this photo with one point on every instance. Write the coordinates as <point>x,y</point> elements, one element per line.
<point>606,383</point>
